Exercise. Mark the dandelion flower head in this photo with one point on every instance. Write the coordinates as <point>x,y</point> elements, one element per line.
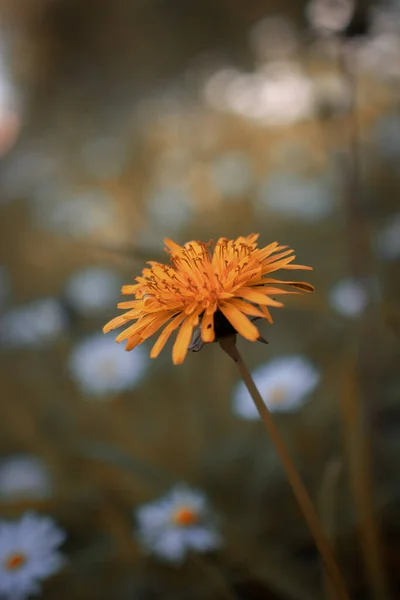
<point>204,284</point>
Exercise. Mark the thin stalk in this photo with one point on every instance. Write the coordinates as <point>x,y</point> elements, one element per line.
<point>327,509</point>
<point>295,481</point>
<point>357,448</point>
<point>355,415</point>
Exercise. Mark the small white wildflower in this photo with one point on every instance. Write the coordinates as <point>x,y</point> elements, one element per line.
<point>296,197</point>
<point>387,240</point>
<point>232,174</point>
<point>93,290</point>
<point>179,522</point>
<point>28,555</point>
<point>284,383</point>
<point>36,323</point>
<point>101,367</point>
<point>24,477</point>
<point>348,297</point>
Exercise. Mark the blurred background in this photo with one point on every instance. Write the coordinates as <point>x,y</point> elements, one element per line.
<point>123,122</point>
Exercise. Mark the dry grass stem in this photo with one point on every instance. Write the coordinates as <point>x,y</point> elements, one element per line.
<point>296,483</point>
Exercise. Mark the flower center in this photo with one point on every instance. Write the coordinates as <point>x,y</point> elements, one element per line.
<point>14,561</point>
<point>278,395</point>
<point>185,516</point>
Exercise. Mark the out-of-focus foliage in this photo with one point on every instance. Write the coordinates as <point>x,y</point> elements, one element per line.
<point>124,122</point>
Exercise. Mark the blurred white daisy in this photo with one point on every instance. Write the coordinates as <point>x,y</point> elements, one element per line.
<point>348,297</point>
<point>284,384</point>
<point>387,240</point>
<point>93,289</point>
<point>24,477</point>
<point>101,367</point>
<point>232,174</point>
<point>4,286</point>
<point>278,95</point>
<point>177,523</point>
<point>170,207</point>
<point>67,211</point>
<point>296,197</point>
<point>28,555</point>
<point>329,15</point>
<point>37,323</point>
<point>386,135</point>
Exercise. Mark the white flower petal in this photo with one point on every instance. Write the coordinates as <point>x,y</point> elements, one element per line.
<point>93,290</point>
<point>159,533</point>
<point>24,477</point>
<point>349,298</point>
<point>36,323</point>
<point>37,540</point>
<point>284,383</point>
<point>100,366</point>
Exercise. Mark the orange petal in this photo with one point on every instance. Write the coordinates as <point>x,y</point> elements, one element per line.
<point>302,285</point>
<point>133,341</point>
<point>295,267</point>
<point>165,334</point>
<point>240,322</point>
<point>130,289</point>
<point>114,324</point>
<point>246,308</point>
<point>266,314</point>
<point>154,325</point>
<point>124,305</point>
<point>182,341</point>
<point>175,248</point>
<point>258,297</point>
<point>275,257</point>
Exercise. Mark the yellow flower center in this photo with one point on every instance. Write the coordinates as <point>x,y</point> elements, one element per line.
<point>278,395</point>
<point>14,561</point>
<point>185,516</point>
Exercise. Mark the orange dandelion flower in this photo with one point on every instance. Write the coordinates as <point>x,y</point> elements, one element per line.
<point>221,288</point>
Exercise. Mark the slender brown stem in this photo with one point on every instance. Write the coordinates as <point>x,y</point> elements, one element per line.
<point>356,415</point>
<point>361,484</point>
<point>295,481</point>
<point>327,506</point>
